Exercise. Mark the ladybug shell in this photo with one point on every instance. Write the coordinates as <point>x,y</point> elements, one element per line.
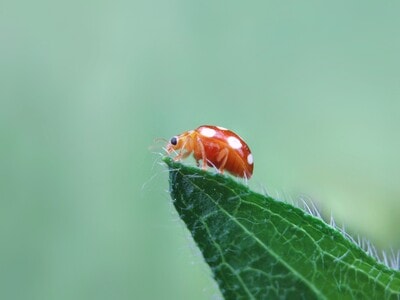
<point>216,139</point>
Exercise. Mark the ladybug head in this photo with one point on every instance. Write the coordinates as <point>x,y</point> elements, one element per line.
<point>175,143</point>
<point>179,142</point>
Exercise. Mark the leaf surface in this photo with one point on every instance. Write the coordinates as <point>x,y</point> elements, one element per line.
<point>260,248</point>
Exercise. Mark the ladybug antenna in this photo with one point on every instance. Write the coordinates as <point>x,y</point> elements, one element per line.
<point>160,139</point>
<point>155,142</point>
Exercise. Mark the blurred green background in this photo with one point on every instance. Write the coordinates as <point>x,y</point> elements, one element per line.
<point>86,87</point>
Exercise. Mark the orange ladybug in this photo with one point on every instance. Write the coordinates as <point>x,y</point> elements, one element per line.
<point>215,146</point>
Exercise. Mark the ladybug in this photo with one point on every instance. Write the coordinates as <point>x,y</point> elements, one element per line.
<point>215,146</point>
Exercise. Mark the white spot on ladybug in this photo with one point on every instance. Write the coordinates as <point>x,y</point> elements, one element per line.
<point>221,128</point>
<point>250,159</point>
<point>234,142</point>
<point>207,132</point>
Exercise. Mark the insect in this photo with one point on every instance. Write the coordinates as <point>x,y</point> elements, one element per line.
<point>215,146</point>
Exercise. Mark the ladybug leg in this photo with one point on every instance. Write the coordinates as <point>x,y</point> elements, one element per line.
<point>223,157</point>
<point>182,155</point>
<point>203,154</point>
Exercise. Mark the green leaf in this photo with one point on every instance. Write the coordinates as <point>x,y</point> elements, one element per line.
<point>260,248</point>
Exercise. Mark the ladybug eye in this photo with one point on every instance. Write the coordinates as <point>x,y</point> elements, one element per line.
<point>174,141</point>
